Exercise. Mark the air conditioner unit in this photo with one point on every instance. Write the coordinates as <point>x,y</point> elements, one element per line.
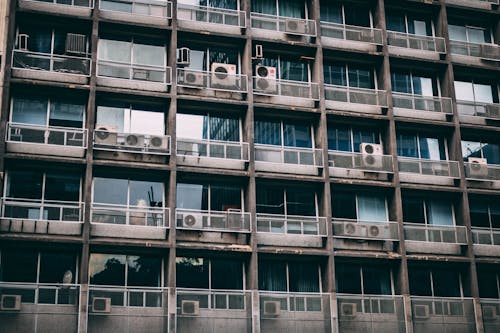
<point>421,311</point>
<point>477,166</point>
<point>354,230</point>
<point>379,231</point>
<point>101,304</point>
<point>266,79</point>
<point>22,42</point>
<point>105,134</point>
<point>133,140</point>
<point>223,75</point>
<point>490,52</point>
<point>489,312</point>
<point>371,155</point>
<point>234,219</point>
<point>76,44</point>
<point>183,56</point>
<point>295,26</point>
<point>10,303</point>
<point>492,110</point>
<point>192,221</point>
<point>272,308</point>
<point>190,308</point>
<point>348,309</point>
<point>158,142</point>
<point>140,74</point>
<point>194,79</point>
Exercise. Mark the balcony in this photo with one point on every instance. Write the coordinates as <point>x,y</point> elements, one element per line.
<point>294,312</point>
<point>138,11</point>
<point>139,77</point>
<point>204,18</point>
<point>305,161</point>
<point>490,310</point>
<point>358,165</point>
<point>42,140</point>
<point>439,314</point>
<point>212,83</point>
<point>31,216</point>
<point>425,171</point>
<point>365,230</point>
<point>486,174</point>
<point>474,53</point>
<point>122,309</point>
<point>232,220</point>
<point>290,230</point>
<point>423,107</point>
<point>481,4</point>
<point>351,37</point>
<point>129,222</point>
<point>285,92</point>
<point>66,7</point>
<point>486,242</point>
<point>282,28</point>
<point>213,154</point>
<point>39,307</point>
<point>436,239</point>
<point>477,112</point>
<point>344,98</point>
<point>202,310</point>
<point>410,45</point>
<point>50,67</point>
<point>134,143</point>
<point>358,313</point>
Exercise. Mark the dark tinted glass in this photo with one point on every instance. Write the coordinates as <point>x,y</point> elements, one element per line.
<point>376,280</point>
<point>300,202</point>
<point>19,266</point>
<point>344,205</point>
<point>227,274</point>
<point>192,272</point>
<point>413,210</point>
<point>62,187</point>
<point>348,277</point>
<point>304,277</point>
<point>272,275</point>
<point>24,184</point>
<point>143,271</point>
<point>107,269</point>
<point>446,283</point>
<point>57,268</point>
<point>420,282</point>
<point>270,200</point>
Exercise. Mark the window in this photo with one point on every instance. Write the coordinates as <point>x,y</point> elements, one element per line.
<point>428,211</point>
<point>349,139</point>
<point>489,151</point>
<point>488,281</point>
<point>283,133</point>
<point>410,83</point>
<point>349,75</point>
<point>45,39</point>
<point>366,207</point>
<point>48,112</point>
<point>435,282</point>
<point>420,146</point>
<point>208,127</point>
<point>288,8</point>
<point>469,34</point>
<point>224,4</point>
<point>409,23</point>
<point>204,273</point>
<point>277,275</point>
<point>485,212</point>
<point>476,94</point>
<point>348,14</point>
<point>289,69</point>
<point>286,201</point>
<point>131,119</point>
<point>202,58</point>
<point>363,279</point>
<point>127,192</point>
<point>209,197</point>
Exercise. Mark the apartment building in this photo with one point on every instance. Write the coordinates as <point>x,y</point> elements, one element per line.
<point>250,166</point>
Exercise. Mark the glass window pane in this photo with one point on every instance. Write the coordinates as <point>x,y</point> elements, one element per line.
<point>331,12</point>
<point>420,281</point>
<point>114,50</point>
<point>57,268</point>
<point>29,111</point>
<point>224,129</point>
<point>471,149</point>
<point>361,78</point>
<point>344,205</point>
<point>457,33</point>
<point>356,15</point>
<point>488,284</point>
<point>19,266</point>
<point>446,283</point>
<point>439,212</point>
<point>339,139</point>
<point>148,55</point>
<point>300,202</point>
<point>431,148</point>
<point>197,60</point>
<point>348,278</point>
<point>264,7</point>
<point>270,200</point>
<point>272,275</point>
<point>407,145</point>
<point>413,210</point>
<point>483,93</point>
<point>479,213</point>
<point>110,191</point>
<point>492,153</point>
<point>296,135</point>
<point>464,91</point>
<point>401,82</point>
<point>114,116</point>
<point>371,208</point>
<point>66,114</point>
<point>227,274</point>
<point>268,132</point>
<point>190,126</point>
<point>292,8</point>
<point>146,194</point>
<point>422,86</point>
<point>192,196</point>
<point>224,197</point>
<point>107,269</point>
<point>293,70</point>
<point>226,56</point>
<point>143,271</point>
<point>304,277</point>
<point>376,280</point>
<point>476,35</point>
<point>24,184</point>
<point>192,272</point>
<point>335,75</point>
<point>363,136</point>
<point>147,122</point>
<point>395,21</point>
<point>62,187</point>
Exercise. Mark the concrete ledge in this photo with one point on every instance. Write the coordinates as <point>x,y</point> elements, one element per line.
<point>127,231</point>
<point>419,114</point>
<point>131,84</point>
<point>289,240</point>
<point>54,8</point>
<point>407,177</point>
<point>24,226</point>
<point>358,174</point>
<point>486,250</point>
<point>353,107</point>
<point>45,149</point>
<point>285,100</point>
<point>207,236</point>
<point>348,44</point>
<point>49,76</point>
<point>135,18</point>
<point>432,247</point>
<point>287,168</point>
<point>210,162</point>
<point>209,27</point>
<point>413,53</point>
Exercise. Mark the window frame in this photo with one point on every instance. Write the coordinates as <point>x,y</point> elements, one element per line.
<point>131,41</point>
<point>287,277</point>
<point>482,144</point>
<point>412,75</point>
<point>284,191</point>
<point>52,40</point>
<point>209,195</point>
<point>417,137</point>
<point>351,137</point>
<point>426,217</point>
<point>361,275</point>
<point>356,202</point>
<point>472,27</point>
<point>405,14</point>
<point>347,65</point>
<point>128,109</point>
<point>282,135</point>
<point>206,52</point>
<point>209,116</point>
<point>431,278</point>
<point>342,13</point>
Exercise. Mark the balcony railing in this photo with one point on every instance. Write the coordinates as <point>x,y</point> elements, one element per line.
<point>140,297</point>
<point>155,8</point>
<point>490,309</point>
<point>359,161</point>
<point>293,302</point>
<point>276,87</point>
<point>213,149</point>
<point>131,142</point>
<point>74,3</point>
<point>288,155</point>
<point>291,224</point>
<point>411,41</point>
<point>135,72</point>
<point>211,15</point>
<point>484,172</point>
<point>435,233</point>
<point>226,300</point>
<point>483,51</point>
<point>68,65</point>
<point>351,33</point>
<point>371,230</point>
<point>130,216</point>
<point>486,236</point>
<point>227,221</point>
<point>43,293</point>
<point>289,25</point>
<point>422,103</point>
<point>429,167</point>
<point>478,109</point>
<point>189,78</point>
<point>356,95</point>
<point>62,136</point>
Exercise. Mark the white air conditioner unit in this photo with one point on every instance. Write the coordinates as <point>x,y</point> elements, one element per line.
<point>354,230</point>
<point>223,75</point>
<point>490,52</point>
<point>348,309</point>
<point>22,42</point>
<point>132,140</point>
<point>158,142</point>
<point>105,134</point>
<point>76,44</point>
<point>478,166</point>
<point>421,311</point>
<point>295,26</point>
<point>489,312</point>
<point>371,155</point>
<point>194,79</point>
<point>190,308</point>
<point>10,303</point>
<point>183,56</point>
<point>192,221</point>
<point>266,79</point>
<point>272,308</point>
<point>101,304</point>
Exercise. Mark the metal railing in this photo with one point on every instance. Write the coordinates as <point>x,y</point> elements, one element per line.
<point>478,109</point>
<point>294,301</point>
<point>43,293</point>
<point>435,233</point>
<point>213,149</point>
<point>424,308</point>
<point>289,25</point>
<point>230,220</point>
<point>289,155</point>
<point>216,299</point>
<point>138,297</point>
<point>276,87</point>
<point>486,236</point>
<point>122,70</point>
<point>291,224</point>
<point>485,172</point>
<point>349,228</point>
<point>211,15</point>
<point>411,41</point>
<point>351,32</point>
<point>422,166</point>
<point>189,78</point>
<point>484,50</point>
<point>75,3</point>
<point>356,95</point>
<point>349,305</point>
<point>422,103</point>
<point>131,215</point>
<point>48,210</point>
<point>156,8</point>
<point>51,135</point>
<point>59,63</point>
<point>132,142</point>
<point>359,161</point>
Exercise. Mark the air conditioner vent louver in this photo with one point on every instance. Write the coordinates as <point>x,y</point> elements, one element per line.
<point>101,304</point>
<point>190,307</point>
<point>76,44</point>
<point>348,309</point>
<point>10,302</point>
<point>272,308</point>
